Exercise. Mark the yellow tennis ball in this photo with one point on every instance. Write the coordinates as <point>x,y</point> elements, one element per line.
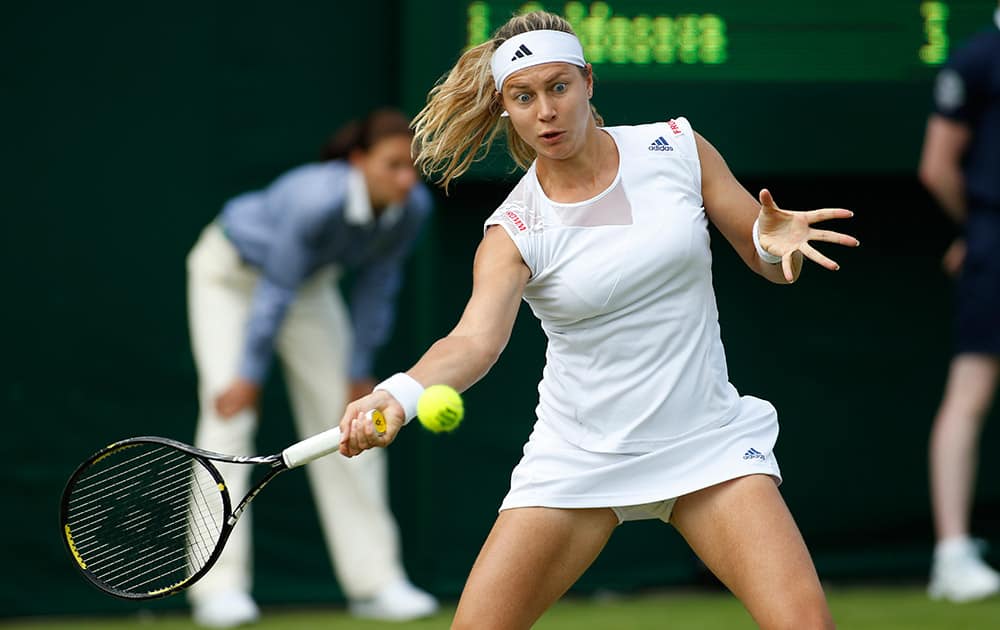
<point>440,408</point>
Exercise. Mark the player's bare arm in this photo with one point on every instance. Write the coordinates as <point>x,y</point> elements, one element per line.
<point>730,207</point>
<point>474,345</point>
<point>467,353</point>
<point>782,233</point>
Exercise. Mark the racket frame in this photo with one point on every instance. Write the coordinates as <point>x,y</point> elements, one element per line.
<point>204,458</point>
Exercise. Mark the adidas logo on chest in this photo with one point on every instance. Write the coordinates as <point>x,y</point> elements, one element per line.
<point>660,144</point>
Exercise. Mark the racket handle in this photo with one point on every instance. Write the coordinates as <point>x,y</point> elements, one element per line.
<point>324,443</point>
<point>311,448</point>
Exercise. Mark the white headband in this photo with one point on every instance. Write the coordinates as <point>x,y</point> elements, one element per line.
<point>534,48</point>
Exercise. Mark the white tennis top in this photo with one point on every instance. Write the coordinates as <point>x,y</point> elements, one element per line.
<point>622,286</point>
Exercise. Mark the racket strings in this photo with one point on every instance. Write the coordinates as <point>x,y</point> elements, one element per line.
<point>145,517</point>
<point>112,492</point>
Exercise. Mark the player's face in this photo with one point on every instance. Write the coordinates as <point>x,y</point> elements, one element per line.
<point>388,169</point>
<point>549,106</point>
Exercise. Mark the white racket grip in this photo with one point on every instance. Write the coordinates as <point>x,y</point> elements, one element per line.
<point>311,448</point>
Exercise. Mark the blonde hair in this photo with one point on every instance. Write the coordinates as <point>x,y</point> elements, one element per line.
<point>461,119</point>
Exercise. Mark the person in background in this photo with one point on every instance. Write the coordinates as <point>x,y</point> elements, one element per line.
<point>960,166</point>
<point>262,280</point>
<point>606,236</point>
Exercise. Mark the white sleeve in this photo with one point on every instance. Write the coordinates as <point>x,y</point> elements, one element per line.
<point>514,220</point>
<point>682,134</point>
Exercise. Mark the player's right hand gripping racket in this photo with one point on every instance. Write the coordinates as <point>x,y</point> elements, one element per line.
<point>148,516</point>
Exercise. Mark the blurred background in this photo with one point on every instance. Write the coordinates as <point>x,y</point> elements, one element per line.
<point>130,123</point>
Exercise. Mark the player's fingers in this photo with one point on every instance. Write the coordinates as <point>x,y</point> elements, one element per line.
<point>350,447</point>
<point>356,441</point>
<point>368,428</point>
<point>833,237</point>
<point>346,424</point>
<point>767,201</point>
<point>366,433</point>
<point>786,267</point>
<point>826,214</point>
<point>360,426</point>
<point>809,252</point>
<point>372,436</point>
<point>345,438</point>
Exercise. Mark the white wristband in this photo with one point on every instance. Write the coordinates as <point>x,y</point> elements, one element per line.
<point>405,390</point>
<point>765,255</point>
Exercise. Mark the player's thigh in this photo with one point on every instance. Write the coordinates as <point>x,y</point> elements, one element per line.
<point>530,559</point>
<point>743,532</point>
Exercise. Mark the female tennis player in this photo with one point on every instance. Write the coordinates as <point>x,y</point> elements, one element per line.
<point>606,237</point>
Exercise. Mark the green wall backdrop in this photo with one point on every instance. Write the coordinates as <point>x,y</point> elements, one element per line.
<point>129,124</point>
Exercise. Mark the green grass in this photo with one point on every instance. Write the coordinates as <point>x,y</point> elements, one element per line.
<point>854,609</point>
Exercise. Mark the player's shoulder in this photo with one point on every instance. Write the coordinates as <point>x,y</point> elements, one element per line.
<point>663,135</point>
<point>671,137</point>
<point>520,212</point>
<point>677,126</point>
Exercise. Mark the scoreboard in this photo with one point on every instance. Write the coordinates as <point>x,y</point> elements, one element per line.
<point>778,85</point>
<point>738,40</point>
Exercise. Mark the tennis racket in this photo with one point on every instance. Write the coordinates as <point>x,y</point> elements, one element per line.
<point>147,517</point>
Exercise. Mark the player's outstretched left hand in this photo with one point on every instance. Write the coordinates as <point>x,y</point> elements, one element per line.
<point>357,431</point>
<point>784,232</point>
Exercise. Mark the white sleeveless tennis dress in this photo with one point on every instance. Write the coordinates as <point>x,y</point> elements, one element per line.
<point>635,405</point>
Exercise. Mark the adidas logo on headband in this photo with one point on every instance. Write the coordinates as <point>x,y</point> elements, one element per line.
<point>532,49</point>
<point>522,51</point>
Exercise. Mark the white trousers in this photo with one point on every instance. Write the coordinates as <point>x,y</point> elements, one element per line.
<point>351,494</point>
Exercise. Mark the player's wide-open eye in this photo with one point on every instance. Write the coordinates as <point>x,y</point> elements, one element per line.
<point>559,88</point>
<point>522,98</point>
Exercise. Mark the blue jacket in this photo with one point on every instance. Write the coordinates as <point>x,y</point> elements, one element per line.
<point>305,220</point>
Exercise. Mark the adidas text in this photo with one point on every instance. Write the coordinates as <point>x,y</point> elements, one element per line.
<point>660,145</point>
